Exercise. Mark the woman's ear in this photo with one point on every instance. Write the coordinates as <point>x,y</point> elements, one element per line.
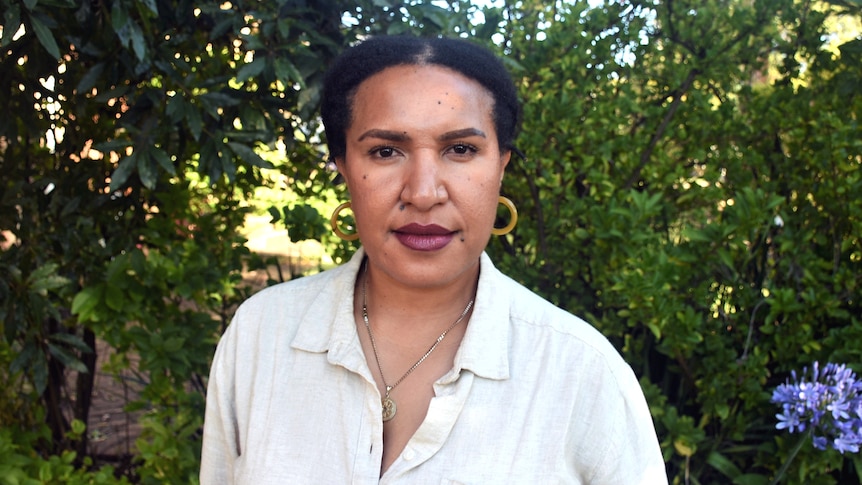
<point>339,165</point>
<point>505,157</point>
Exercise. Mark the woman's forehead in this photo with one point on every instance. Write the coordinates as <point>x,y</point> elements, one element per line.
<point>406,91</point>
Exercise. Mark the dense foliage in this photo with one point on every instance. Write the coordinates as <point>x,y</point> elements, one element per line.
<point>129,147</point>
<point>689,186</point>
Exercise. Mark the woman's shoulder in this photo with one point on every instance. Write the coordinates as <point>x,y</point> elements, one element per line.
<point>297,287</point>
<point>305,289</point>
<point>531,309</point>
<point>524,305</point>
<point>282,307</point>
<point>532,314</point>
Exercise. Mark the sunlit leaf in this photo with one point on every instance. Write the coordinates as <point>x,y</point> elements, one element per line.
<point>251,69</point>
<point>248,155</point>
<point>11,24</point>
<point>124,171</point>
<point>85,301</point>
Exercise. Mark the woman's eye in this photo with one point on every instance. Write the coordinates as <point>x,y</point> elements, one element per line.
<point>463,149</point>
<point>384,152</point>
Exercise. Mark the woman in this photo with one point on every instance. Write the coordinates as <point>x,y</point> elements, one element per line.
<point>417,361</point>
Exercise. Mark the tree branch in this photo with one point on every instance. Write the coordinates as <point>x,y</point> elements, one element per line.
<point>665,122</point>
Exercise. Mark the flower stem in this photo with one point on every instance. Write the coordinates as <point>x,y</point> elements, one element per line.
<point>790,458</point>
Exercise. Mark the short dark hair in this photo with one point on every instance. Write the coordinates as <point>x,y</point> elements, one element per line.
<point>375,54</point>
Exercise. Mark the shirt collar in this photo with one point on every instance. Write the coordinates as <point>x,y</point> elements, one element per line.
<point>328,324</point>
<point>485,347</point>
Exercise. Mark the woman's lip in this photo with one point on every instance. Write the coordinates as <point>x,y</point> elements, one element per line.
<point>422,230</point>
<point>424,238</point>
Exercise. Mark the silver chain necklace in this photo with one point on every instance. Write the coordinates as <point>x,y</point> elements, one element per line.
<point>389,407</point>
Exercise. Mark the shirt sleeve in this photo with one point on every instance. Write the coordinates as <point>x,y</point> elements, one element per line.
<point>221,448</point>
<point>632,453</point>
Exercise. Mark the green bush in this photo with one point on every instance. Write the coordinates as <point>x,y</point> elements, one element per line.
<point>130,147</point>
<point>21,465</point>
<point>695,200</point>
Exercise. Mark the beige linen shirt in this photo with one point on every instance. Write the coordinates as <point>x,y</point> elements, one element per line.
<point>535,395</point>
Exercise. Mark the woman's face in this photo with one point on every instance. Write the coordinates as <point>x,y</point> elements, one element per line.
<point>424,169</point>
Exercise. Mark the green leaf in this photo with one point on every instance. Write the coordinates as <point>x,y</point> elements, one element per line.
<point>275,214</point>
<point>217,99</point>
<point>851,48</point>
<point>722,410</point>
<point>252,69</point>
<point>163,160</point>
<point>723,465</point>
<point>88,80</point>
<point>119,19</point>
<point>43,271</point>
<point>85,301</point>
<point>696,235</point>
<point>176,107</point>
<point>151,6</point>
<point>751,479</point>
<point>248,155</point>
<point>39,371</point>
<point>124,171</point>
<point>114,298</point>
<point>67,358</point>
<point>173,344</point>
<point>53,282</point>
<point>71,340</point>
<point>308,99</point>
<point>46,38</point>
<point>112,145</point>
<point>304,222</point>
<point>147,171</point>
<point>195,122</point>
<point>287,72</point>
<point>106,95</point>
<point>45,278</point>
<point>684,446</point>
<point>221,27</point>
<point>24,359</point>
<point>139,45</point>
<point>228,167</point>
<point>11,24</point>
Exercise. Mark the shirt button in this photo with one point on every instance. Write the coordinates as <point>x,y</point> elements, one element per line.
<point>408,454</point>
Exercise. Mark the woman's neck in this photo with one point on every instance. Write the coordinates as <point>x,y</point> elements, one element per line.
<point>418,313</point>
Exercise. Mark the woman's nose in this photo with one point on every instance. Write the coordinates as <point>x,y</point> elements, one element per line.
<point>423,186</point>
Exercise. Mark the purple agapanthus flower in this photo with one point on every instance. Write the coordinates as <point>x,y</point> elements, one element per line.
<point>827,401</point>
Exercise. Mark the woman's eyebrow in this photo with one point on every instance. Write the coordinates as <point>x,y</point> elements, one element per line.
<point>385,135</point>
<point>463,133</point>
<point>400,136</point>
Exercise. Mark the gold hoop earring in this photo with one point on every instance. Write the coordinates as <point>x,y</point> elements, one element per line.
<point>333,221</point>
<point>513,213</point>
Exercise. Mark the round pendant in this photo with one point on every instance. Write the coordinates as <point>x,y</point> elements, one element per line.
<point>389,408</point>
